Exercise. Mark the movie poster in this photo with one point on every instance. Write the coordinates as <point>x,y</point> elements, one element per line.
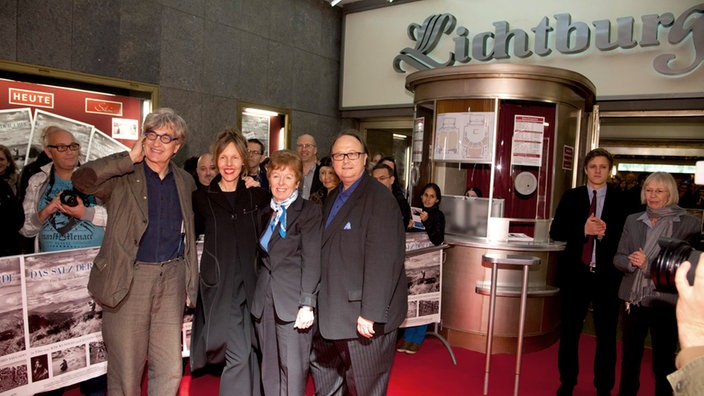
<point>15,128</point>
<point>424,272</point>
<point>50,327</point>
<point>13,366</point>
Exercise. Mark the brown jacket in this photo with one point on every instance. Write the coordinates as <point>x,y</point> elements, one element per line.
<point>120,184</point>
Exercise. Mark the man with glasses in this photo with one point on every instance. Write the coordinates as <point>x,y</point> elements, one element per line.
<point>146,270</point>
<point>255,169</point>
<point>308,150</point>
<point>76,221</point>
<point>363,289</point>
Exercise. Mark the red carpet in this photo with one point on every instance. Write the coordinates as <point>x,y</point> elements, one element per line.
<point>431,372</point>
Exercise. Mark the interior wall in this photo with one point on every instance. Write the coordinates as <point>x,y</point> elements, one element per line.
<point>204,56</point>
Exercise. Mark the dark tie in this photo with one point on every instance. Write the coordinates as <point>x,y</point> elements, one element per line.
<point>589,244</point>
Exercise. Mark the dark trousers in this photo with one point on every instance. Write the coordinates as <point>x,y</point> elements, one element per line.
<point>285,353</point>
<point>356,367</point>
<point>589,287</point>
<point>660,319</point>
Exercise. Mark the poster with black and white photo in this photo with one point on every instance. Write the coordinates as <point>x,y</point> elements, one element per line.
<point>11,313</point>
<point>58,304</point>
<point>424,273</point>
<point>102,145</point>
<point>50,327</point>
<point>256,126</point>
<point>15,128</point>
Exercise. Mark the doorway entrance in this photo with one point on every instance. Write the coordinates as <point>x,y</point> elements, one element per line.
<point>392,138</point>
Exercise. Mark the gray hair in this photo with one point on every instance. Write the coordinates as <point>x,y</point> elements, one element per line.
<point>666,180</point>
<point>166,117</point>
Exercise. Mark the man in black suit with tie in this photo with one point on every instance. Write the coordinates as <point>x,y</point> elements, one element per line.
<point>590,220</point>
<point>363,294</point>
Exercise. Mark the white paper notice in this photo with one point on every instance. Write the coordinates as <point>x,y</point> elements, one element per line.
<point>527,144</point>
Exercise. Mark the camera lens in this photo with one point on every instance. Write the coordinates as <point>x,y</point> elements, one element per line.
<point>69,198</point>
<point>672,253</point>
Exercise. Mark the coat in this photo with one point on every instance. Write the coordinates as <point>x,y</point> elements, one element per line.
<point>685,227</point>
<point>290,269</point>
<point>227,266</point>
<point>363,255</point>
<point>568,226</point>
<point>120,184</point>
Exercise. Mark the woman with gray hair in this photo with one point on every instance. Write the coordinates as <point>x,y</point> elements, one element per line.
<point>645,308</point>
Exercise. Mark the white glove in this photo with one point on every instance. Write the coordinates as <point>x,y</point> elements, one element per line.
<point>305,318</point>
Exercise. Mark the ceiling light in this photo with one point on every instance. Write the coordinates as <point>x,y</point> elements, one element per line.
<point>259,112</point>
<point>333,3</point>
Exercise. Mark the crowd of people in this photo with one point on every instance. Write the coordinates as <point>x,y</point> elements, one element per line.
<point>302,270</point>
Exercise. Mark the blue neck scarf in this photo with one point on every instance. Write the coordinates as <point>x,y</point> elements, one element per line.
<point>280,209</point>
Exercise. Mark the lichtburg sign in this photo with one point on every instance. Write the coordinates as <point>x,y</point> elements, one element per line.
<point>569,38</point>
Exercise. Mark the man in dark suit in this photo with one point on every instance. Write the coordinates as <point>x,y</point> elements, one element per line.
<point>586,272</point>
<point>363,295</point>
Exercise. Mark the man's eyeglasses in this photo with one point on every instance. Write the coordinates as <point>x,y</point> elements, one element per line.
<point>63,147</point>
<point>350,156</point>
<point>305,146</point>
<point>254,152</point>
<point>166,139</point>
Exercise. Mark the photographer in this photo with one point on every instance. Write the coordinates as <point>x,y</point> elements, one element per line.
<point>58,217</point>
<point>688,380</point>
<point>645,308</point>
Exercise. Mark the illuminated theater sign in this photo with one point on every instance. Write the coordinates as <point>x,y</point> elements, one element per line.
<point>570,37</point>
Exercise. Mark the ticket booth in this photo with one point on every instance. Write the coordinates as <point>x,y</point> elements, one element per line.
<point>513,131</point>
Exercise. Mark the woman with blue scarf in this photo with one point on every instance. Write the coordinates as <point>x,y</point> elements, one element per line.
<point>645,308</point>
<point>287,286</point>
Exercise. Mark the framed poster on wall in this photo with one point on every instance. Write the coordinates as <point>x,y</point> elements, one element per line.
<point>256,127</point>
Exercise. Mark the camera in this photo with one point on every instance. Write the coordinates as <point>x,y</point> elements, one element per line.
<point>673,252</point>
<point>69,198</point>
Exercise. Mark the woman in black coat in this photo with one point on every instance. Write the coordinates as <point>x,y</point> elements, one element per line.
<point>226,212</point>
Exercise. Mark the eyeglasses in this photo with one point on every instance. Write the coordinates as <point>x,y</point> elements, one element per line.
<point>63,147</point>
<point>255,152</point>
<point>305,146</point>
<point>166,139</point>
<point>350,156</point>
<point>655,191</point>
<point>383,178</point>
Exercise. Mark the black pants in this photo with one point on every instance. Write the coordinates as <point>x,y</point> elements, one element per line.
<point>660,319</point>
<point>602,292</point>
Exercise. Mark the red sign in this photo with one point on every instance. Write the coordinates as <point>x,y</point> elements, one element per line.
<point>99,106</point>
<point>567,157</point>
<point>25,97</point>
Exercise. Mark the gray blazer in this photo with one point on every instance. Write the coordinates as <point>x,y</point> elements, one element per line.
<point>120,184</point>
<point>686,228</point>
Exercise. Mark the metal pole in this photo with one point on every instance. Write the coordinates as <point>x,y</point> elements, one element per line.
<point>490,327</point>
<point>521,326</point>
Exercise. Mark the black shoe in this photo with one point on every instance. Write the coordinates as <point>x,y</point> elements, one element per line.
<point>564,390</point>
